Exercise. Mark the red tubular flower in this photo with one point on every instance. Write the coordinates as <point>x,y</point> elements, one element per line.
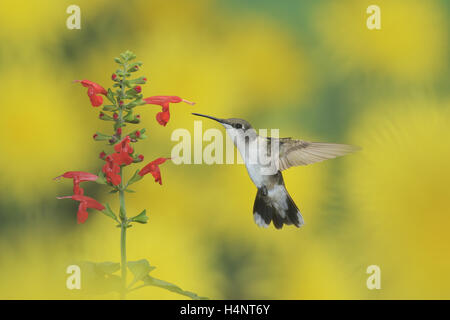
<point>113,162</point>
<point>112,171</point>
<point>93,90</point>
<point>124,145</point>
<point>85,203</point>
<point>164,101</point>
<point>78,177</point>
<point>153,168</point>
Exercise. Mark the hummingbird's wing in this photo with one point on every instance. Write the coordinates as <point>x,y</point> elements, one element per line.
<point>300,153</point>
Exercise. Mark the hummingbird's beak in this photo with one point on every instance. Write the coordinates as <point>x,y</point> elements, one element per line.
<point>209,117</point>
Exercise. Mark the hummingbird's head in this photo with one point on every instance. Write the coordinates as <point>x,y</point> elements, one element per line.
<point>235,127</point>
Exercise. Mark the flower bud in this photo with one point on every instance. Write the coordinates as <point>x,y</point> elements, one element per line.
<point>114,77</point>
<point>137,134</point>
<point>120,103</point>
<point>95,136</point>
<point>115,116</point>
<point>102,155</point>
<point>138,89</point>
<point>141,157</point>
<point>101,115</point>
<point>119,131</point>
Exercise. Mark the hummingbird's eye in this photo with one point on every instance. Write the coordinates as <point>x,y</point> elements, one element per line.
<point>238,126</point>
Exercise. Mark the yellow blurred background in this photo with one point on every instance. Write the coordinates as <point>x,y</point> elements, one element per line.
<point>310,68</point>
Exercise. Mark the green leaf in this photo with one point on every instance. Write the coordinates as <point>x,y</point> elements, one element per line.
<point>135,178</point>
<point>141,217</point>
<point>98,278</point>
<point>108,212</point>
<point>117,60</point>
<point>107,267</point>
<point>139,269</point>
<point>150,281</point>
<point>114,191</point>
<point>130,191</point>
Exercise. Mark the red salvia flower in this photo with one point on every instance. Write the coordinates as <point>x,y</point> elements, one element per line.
<point>153,168</point>
<point>93,90</point>
<point>113,162</point>
<point>78,177</point>
<point>164,101</point>
<point>112,171</point>
<point>124,145</point>
<point>85,203</point>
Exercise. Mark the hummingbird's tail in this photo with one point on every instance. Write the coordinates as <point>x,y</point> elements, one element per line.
<point>275,204</point>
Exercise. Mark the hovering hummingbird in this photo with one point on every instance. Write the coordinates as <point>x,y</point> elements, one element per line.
<point>273,203</point>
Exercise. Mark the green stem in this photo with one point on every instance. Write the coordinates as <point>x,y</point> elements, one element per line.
<point>123,242</point>
<point>123,217</point>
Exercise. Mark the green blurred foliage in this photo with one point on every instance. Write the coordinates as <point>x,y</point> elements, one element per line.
<point>310,68</point>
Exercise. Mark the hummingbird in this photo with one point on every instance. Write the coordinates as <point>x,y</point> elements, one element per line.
<point>273,202</point>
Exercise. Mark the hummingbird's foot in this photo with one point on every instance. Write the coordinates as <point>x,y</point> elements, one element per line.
<point>263,190</point>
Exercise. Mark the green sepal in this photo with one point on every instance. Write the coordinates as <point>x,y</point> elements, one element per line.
<point>110,96</point>
<point>139,81</point>
<point>108,212</point>
<point>118,125</point>
<point>110,108</point>
<point>127,83</point>
<point>117,60</point>
<point>141,217</point>
<point>106,117</point>
<point>130,191</point>
<point>101,137</point>
<point>129,116</point>
<point>131,93</point>
<point>101,178</point>
<point>135,178</point>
